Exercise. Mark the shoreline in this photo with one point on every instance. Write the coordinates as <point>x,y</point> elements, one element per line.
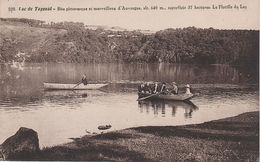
<point>229,139</point>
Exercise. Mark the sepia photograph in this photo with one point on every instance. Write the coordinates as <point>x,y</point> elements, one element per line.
<point>129,80</point>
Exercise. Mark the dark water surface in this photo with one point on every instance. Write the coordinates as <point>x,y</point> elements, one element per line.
<point>223,91</point>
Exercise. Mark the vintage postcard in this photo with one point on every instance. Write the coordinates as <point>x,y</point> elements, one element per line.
<point>129,80</point>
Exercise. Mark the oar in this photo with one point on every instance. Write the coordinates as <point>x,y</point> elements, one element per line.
<point>141,99</point>
<point>76,85</point>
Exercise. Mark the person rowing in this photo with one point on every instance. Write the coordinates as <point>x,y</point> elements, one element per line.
<point>84,80</point>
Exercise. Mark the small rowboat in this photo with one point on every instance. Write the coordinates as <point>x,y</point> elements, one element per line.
<point>58,86</point>
<point>104,127</point>
<point>173,97</point>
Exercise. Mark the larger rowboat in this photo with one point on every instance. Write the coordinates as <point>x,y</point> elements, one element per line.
<point>173,97</point>
<point>58,86</point>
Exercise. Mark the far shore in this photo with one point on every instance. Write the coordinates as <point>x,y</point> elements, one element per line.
<point>230,139</point>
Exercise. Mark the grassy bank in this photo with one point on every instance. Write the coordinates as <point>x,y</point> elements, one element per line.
<point>231,139</point>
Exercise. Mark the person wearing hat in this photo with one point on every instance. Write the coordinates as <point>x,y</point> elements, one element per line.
<point>174,88</point>
<point>147,87</point>
<point>187,86</point>
<point>141,88</point>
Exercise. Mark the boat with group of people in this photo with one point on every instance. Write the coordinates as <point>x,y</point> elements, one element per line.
<point>148,90</point>
<point>163,91</point>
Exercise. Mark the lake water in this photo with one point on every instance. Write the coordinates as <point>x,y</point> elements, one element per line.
<point>223,91</point>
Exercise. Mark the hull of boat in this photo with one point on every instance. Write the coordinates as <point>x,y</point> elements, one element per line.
<point>57,86</point>
<point>179,97</point>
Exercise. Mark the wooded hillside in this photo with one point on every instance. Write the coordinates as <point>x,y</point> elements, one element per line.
<point>37,41</point>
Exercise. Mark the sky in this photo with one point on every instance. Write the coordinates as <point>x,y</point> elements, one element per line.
<point>219,18</point>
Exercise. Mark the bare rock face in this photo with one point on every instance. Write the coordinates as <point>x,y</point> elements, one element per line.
<point>24,142</point>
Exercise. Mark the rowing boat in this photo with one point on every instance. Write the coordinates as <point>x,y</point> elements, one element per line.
<point>173,97</point>
<point>75,93</point>
<point>58,86</point>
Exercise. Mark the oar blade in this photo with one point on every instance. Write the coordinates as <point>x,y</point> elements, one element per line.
<point>76,85</point>
<point>144,98</point>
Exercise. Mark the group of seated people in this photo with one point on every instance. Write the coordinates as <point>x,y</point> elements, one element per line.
<point>157,87</point>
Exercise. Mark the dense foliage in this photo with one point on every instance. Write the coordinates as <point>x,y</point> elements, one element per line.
<point>204,46</point>
<point>74,42</point>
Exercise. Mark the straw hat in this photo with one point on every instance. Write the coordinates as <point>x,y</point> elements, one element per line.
<point>187,86</point>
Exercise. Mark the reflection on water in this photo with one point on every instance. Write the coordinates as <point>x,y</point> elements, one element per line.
<point>60,115</point>
<point>29,81</point>
<point>158,107</point>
